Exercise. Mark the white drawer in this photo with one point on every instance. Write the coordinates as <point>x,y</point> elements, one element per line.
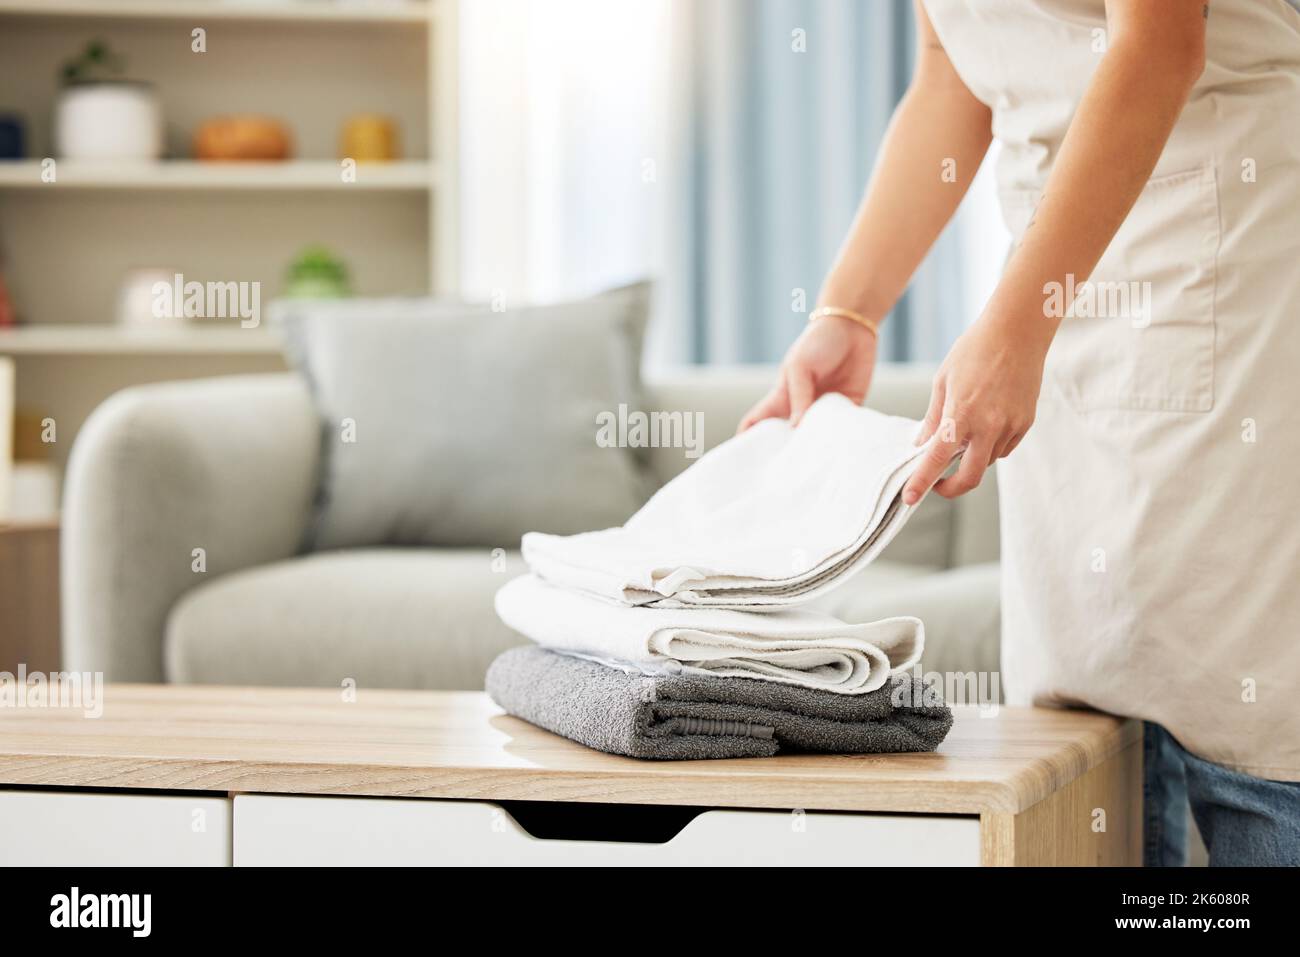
<point>324,831</point>
<point>74,829</point>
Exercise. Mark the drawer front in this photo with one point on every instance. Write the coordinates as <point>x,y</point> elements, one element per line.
<point>330,831</point>
<point>75,829</point>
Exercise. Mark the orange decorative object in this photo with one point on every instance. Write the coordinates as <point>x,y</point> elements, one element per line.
<point>369,138</point>
<point>242,138</point>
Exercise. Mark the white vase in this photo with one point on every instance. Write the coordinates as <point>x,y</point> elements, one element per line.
<point>138,300</point>
<point>114,120</point>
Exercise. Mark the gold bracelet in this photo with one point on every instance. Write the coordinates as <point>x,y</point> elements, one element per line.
<point>871,325</point>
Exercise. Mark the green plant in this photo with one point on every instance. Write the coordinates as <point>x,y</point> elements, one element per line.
<point>317,262</point>
<point>317,272</point>
<point>96,64</point>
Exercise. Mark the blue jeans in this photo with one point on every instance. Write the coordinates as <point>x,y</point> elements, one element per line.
<point>1245,821</point>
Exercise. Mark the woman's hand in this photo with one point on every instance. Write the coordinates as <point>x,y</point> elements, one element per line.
<point>833,354</point>
<point>981,404</point>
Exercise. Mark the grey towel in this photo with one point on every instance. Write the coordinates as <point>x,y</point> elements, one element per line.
<point>693,716</point>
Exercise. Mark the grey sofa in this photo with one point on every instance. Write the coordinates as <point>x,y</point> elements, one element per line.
<point>185,504</point>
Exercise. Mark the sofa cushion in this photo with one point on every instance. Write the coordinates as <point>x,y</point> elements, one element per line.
<point>386,618</point>
<point>454,425</point>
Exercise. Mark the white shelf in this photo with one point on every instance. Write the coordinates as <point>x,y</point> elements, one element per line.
<point>409,175</point>
<point>313,11</point>
<point>110,340</point>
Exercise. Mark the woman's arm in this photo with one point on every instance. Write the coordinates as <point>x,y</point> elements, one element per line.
<point>934,145</point>
<point>987,388</point>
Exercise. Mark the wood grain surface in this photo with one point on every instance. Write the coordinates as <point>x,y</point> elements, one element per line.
<point>461,745</point>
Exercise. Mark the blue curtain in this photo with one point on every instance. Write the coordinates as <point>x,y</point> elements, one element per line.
<point>778,107</point>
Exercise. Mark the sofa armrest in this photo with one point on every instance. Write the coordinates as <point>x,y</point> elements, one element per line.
<point>225,465</point>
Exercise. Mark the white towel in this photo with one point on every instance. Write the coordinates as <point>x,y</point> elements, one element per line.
<point>790,646</point>
<point>775,516</point>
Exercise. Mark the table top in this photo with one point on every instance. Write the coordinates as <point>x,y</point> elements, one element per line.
<point>458,744</point>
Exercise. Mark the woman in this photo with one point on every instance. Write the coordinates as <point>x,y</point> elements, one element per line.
<point>1150,488</point>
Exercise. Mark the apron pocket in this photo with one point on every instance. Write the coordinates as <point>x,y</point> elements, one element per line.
<point>1140,334</point>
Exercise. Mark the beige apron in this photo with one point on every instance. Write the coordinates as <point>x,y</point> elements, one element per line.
<point>1151,518</point>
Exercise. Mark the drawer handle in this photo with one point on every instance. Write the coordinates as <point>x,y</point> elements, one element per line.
<point>618,823</point>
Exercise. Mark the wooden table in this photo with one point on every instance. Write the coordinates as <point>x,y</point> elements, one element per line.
<point>1026,786</point>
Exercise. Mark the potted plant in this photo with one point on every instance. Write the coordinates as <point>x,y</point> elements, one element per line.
<point>317,274</point>
<point>102,115</point>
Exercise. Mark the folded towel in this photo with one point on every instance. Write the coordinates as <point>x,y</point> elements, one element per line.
<point>775,516</point>
<point>787,646</point>
<point>693,716</point>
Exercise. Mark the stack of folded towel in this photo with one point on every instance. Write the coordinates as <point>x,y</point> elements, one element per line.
<point>677,636</point>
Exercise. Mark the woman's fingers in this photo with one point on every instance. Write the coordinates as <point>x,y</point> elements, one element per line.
<point>974,461</point>
<point>802,390</point>
<point>774,405</point>
<point>1004,445</point>
<point>932,465</point>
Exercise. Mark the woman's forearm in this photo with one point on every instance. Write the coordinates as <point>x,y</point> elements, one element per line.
<point>1113,144</point>
<point>934,145</point>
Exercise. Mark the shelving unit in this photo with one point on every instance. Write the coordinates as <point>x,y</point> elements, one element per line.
<point>106,339</point>
<point>410,176</point>
<point>66,246</point>
<point>348,11</point>
<point>310,63</point>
